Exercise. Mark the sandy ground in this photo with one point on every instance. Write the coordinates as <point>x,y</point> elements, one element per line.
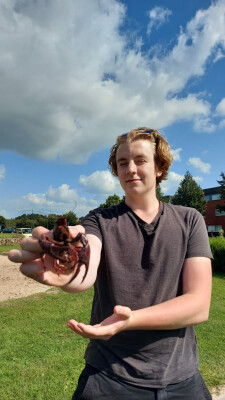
<point>14,285</point>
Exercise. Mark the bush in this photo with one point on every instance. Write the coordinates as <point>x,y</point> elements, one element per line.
<point>218,250</point>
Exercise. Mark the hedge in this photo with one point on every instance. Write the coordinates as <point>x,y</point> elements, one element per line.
<point>217,245</point>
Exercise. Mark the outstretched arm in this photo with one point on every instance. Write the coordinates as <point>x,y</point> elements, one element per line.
<point>32,266</point>
<point>191,308</point>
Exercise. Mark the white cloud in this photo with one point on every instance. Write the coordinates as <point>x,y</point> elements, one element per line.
<point>58,200</point>
<point>176,154</point>
<point>198,163</point>
<point>198,178</point>
<point>219,54</point>
<point>222,124</point>
<point>71,81</point>
<point>2,172</point>
<point>171,184</point>
<point>101,182</point>
<point>220,109</point>
<point>158,16</point>
<point>62,193</point>
<point>204,125</point>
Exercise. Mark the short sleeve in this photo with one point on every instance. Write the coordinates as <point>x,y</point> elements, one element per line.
<point>198,242</point>
<point>91,223</point>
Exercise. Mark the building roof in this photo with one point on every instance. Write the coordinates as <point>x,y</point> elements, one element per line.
<point>213,190</point>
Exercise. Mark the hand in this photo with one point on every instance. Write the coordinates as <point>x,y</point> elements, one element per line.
<point>117,322</point>
<point>32,265</point>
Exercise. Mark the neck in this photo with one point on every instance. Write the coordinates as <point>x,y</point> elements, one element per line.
<point>146,209</point>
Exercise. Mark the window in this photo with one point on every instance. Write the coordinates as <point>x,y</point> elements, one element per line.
<point>216,196</point>
<point>214,228</point>
<point>219,213</point>
<point>210,197</point>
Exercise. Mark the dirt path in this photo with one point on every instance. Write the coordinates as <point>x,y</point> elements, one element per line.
<point>13,284</point>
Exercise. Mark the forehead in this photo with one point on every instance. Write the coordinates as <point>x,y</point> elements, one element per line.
<point>134,149</point>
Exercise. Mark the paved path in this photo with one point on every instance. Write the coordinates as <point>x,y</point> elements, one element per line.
<point>220,396</point>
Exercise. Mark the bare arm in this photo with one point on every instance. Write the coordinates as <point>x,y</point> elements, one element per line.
<point>191,308</point>
<point>32,266</point>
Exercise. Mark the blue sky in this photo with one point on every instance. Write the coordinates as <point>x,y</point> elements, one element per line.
<point>74,75</point>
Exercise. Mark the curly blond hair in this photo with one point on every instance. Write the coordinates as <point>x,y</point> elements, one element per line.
<point>162,151</point>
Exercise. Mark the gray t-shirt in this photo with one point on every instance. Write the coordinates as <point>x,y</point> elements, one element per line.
<point>141,265</point>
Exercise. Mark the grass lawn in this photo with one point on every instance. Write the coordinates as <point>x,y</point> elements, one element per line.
<point>41,359</point>
<point>6,248</point>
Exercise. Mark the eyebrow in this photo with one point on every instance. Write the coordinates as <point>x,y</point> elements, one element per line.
<point>136,157</point>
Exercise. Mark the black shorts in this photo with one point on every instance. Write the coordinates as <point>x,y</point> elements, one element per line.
<point>94,385</point>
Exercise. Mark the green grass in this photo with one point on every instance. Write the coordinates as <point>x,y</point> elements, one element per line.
<point>6,235</point>
<point>6,248</point>
<point>41,359</point>
<point>210,336</point>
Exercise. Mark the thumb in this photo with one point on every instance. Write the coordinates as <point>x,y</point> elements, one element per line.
<point>123,312</point>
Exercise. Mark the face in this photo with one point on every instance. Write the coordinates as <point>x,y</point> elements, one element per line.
<point>136,168</point>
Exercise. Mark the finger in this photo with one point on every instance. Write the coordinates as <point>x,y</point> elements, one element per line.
<point>86,331</point>
<point>72,324</point>
<point>34,270</point>
<point>74,230</point>
<point>45,273</point>
<point>22,256</point>
<point>39,230</point>
<point>123,312</point>
<point>31,244</point>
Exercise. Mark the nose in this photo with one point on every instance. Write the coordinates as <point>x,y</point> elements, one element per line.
<point>131,167</point>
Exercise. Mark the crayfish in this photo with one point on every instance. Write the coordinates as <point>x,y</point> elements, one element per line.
<point>68,253</point>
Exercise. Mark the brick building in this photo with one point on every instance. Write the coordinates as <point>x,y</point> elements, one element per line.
<point>214,219</point>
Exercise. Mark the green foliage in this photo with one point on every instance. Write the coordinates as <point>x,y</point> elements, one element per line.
<point>160,196</point>
<point>71,218</point>
<point>222,185</point>
<point>32,220</point>
<point>111,201</point>
<point>190,194</point>
<point>222,192</point>
<point>2,222</point>
<point>217,245</point>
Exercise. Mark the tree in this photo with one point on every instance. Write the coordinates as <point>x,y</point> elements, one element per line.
<point>222,192</point>
<point>52,218</point>
<point>111,201</point>
<point>190,194</point>
<point>71,218</point>
<point>2,222</point>
<point>160,196</point>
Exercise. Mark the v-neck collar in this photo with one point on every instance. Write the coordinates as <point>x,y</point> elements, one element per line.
<point>149,228</point>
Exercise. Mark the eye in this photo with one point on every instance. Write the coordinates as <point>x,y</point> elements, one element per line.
<point>123,164</point>
<point>140,161</point>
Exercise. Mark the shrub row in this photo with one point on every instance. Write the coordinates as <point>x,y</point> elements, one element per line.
<point>217,245</point>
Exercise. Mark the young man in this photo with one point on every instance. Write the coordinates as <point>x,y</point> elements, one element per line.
<point>150,264</point>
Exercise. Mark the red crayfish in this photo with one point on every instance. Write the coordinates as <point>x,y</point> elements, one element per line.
<point>71,252</point>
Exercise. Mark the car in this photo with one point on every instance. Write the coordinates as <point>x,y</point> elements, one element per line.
<point>8,230</point>
<point>22,232</point>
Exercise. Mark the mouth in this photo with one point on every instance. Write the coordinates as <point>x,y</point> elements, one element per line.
<point>133,180</point>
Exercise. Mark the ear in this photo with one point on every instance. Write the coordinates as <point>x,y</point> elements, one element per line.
<point>158,173</point>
